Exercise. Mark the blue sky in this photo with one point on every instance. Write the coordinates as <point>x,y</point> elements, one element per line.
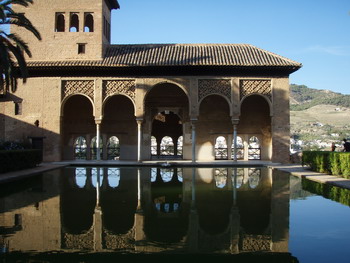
<point>315,33</point>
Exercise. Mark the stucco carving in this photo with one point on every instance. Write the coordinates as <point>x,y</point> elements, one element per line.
<point>114,87</point>
<point>214,86</point>
<point>85,87</point>
<point>262,87</point>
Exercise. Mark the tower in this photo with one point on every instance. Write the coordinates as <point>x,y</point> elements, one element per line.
<point>70,29</point>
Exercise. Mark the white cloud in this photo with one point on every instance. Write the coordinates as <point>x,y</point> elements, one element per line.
<point>331,50</point>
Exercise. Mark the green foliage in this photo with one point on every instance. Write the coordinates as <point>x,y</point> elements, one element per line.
<point>334,193</point>
<point>13,160</point>
<point>317,160</point>
<point>12,47</point>
<point>335,163</point>
<point>307,98</point>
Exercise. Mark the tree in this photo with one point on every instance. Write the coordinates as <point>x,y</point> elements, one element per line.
<point>12,48</point>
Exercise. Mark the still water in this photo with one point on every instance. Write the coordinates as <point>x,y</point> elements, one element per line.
<point>232,213</point>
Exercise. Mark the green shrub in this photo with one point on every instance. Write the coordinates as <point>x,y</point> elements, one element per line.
<point>318,161</point>
<point>14,160</point>
<point>335,163</point>
<point>345,164</point>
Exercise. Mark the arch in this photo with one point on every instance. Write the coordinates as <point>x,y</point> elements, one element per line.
<point>74,23</point>
<point>64,101</point>
<point>171,83</point>
<point>113,148</point>
<point>80,148</point>
<point>254,148</point>
<point>217,94</point>
<point>179,146</point>
<point>240,148</point>
<point>60,22</point>
<point>167,146</point>
<point>93,148</point>
<point>77,120</point>
<point>105,101</point>
<point>221,148</point>
<point>88,22</point>
<point>260,95</point>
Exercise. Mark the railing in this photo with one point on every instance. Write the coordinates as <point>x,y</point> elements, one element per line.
<point>221,153</point>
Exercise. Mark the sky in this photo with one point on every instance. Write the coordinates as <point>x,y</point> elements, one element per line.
<point>315,33</point>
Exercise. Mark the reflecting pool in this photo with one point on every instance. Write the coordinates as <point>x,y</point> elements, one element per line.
<point>114,213</point>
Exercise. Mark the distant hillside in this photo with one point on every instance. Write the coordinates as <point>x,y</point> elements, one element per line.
<point>302,98</point>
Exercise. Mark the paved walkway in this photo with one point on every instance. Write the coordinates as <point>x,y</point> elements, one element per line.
<point>294,169</point>
<point>304,172</point>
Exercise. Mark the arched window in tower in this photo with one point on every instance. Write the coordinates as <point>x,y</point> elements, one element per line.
<point>80,148</point>
<point>220,148</point>
<point>60,22</point>
<point>89,22</point>
<point>254,150</point>
<point>113,148</point>
<point>74,23</point>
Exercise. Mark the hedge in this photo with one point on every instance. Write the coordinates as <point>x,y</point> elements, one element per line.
<point>14,160</point>
<point>335,163</point>
<point>334,193</point>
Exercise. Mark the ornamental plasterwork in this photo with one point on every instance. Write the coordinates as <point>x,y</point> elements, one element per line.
<point>214,86</point>
<point>114,87</point>
<point>85,87</point>
<point>262,87</point>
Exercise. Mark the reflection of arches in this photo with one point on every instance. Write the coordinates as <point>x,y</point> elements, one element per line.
<point>77,204</point>
<point>220,176</point>
<point>113,148</point>
<point>240,149</point>
<point>254,150</point>
<point>221,148</point>
<point>80,148</point>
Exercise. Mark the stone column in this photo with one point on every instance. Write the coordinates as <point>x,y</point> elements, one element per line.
<point>139,138</point>
<point>193,125</point>
<point>235,123</point>
<point>98,138</point>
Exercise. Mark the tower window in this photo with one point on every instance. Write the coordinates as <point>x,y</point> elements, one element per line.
<point>18,108</point>
<point>74,23</point>
<point>60,22</point>
<point>89,22</point>
<point>81,48</point>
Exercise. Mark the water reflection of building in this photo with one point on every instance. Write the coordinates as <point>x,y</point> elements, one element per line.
<point>226,210</point>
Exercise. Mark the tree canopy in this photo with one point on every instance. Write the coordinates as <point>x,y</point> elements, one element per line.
<point>12,47</point>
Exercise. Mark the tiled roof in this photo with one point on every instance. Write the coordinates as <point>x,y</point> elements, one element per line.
<point>158,55</point>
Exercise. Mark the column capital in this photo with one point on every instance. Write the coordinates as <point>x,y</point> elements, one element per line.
<point>98,120</point>
<point>139,120</point>
<point>235,121</point>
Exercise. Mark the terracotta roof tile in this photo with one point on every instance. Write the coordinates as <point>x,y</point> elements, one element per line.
<point>239,55</point>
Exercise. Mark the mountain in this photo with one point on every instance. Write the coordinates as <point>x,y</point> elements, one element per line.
<point>303,98</point>
<point>318,117</point>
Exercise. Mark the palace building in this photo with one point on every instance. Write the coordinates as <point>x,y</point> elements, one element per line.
<point>89,99</point>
